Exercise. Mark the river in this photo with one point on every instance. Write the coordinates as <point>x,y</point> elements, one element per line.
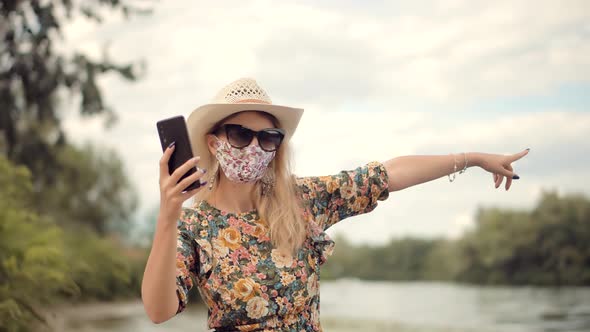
<point>353,305</point>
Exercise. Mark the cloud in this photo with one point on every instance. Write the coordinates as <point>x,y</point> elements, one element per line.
<point>485,50</point>
<point>451,52</point>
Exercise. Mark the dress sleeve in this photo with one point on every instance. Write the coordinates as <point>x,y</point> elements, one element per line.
<point>194,254</point>
<point>186,254</point>
<point>332,198</point>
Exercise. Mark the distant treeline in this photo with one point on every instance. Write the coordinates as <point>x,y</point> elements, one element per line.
<point>549,245</point>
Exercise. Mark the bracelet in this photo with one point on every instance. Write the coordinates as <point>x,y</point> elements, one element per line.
<point>455,167</point>
<point>464,167</point>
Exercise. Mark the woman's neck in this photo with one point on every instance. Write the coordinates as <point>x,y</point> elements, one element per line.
<point>232,196</point>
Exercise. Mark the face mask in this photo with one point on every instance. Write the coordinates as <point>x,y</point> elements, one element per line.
<point>242,165</point>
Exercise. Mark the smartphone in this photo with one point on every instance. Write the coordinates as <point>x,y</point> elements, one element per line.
<point>174,130</point>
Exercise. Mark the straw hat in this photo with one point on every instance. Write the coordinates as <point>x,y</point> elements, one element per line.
<point>241,95</point>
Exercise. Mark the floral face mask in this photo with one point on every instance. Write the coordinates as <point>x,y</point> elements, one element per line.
<point>242,165</point>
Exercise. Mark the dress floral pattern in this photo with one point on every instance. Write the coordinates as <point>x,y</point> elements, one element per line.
<point>246,283</point>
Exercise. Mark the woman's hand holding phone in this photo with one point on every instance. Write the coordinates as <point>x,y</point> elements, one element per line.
<point>171,193</point>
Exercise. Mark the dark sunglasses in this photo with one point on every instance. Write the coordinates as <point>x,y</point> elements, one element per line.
<point>240,137</point>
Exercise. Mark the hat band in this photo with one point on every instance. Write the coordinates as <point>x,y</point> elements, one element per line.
<point>253,101</point>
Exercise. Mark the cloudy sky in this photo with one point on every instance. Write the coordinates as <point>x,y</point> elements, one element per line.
<point>377,79</point>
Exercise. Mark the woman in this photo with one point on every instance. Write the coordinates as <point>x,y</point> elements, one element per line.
<point>254,239</point>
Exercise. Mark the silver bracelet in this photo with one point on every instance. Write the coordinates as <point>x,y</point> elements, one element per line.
<point>464,167</point>
<point>454,169</point>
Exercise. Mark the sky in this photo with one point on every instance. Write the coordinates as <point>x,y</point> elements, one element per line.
<point>377,80</point>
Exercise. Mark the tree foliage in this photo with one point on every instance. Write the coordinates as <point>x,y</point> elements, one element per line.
<point>33,264</point>
<point>35,76</point>
<point>42,263</point>
<point>549,245</point>
<point>91,189</point>
<point>59,203</point>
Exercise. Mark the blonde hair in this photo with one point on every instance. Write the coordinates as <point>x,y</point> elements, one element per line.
<point>281,210</point>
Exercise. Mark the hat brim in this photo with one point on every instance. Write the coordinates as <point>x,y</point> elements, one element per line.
<point>203,118</point>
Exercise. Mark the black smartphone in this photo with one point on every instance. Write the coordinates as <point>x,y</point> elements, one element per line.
<point>174,130</point>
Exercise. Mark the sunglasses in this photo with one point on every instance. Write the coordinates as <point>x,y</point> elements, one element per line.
<point>240,137</point>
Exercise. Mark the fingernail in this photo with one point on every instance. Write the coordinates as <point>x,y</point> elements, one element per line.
<point>203,183</point>
<point>528,149</point>
<point>195,159</point>
<point>515,177</point>
<point>204,170</point>
<point>172,144</point>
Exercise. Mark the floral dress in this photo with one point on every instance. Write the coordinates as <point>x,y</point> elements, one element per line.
<point>248,285</point>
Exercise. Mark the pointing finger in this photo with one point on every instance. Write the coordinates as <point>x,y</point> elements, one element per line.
<point>521,154</point>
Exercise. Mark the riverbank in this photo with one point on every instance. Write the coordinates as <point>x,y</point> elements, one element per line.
<point>64,317</point>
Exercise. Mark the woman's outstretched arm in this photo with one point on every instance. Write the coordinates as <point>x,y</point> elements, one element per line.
<point>407,171</point>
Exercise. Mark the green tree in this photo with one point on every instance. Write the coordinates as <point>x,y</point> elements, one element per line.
<point>441,262</point>
<point>34,77</point>
<point>52,208</point>
<point>562,240</point>
<point>548,246</point>
<point>33,264</point>
<point>404,259</point>
<point>42,263</point>
<point>91,189</point>
<point>487,250</point>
